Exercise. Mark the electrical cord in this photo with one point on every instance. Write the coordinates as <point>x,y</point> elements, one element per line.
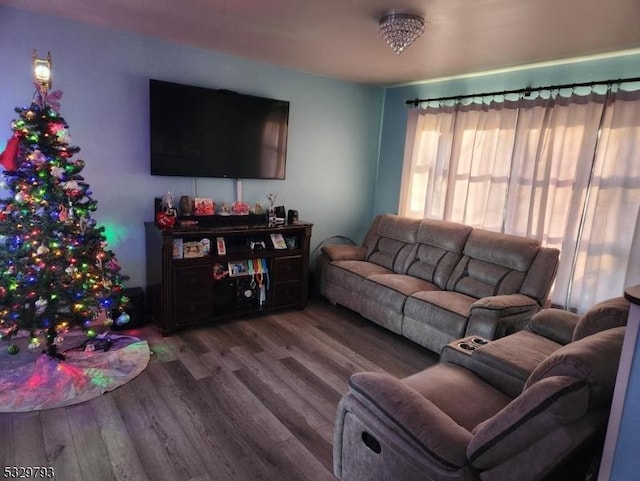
<point>99,343</point>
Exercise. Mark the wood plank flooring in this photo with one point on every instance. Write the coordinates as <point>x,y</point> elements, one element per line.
<point>249,399</point>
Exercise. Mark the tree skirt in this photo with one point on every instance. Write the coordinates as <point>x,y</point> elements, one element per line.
<point>32,381</point>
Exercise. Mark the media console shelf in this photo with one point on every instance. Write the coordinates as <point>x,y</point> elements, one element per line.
<point>205,274</point>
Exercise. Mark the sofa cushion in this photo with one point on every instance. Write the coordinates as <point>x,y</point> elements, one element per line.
<point>444,310</point>
<point>393,244</point>
<point>593,359</point>
<point>604,315</point>
<point>510,251</point>
<point>383,297</point>
<point>400,228</point>
<point>482,279</point>
<point>440,246</point>
<point>452,387</point>
<point>392,290</point>
<point>433,264</point>
<point>392,254</point>
<point>493,264</point>
<point>350,274</point>
<point>435,318</point>
<point>450,236</point>
<point>549,404</point>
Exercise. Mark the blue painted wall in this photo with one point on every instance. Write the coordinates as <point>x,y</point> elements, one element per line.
<point>333,136</point>
<point>395,110</point>
<point>625,464</point>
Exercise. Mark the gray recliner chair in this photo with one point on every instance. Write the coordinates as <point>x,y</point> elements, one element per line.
<point>451,423</point>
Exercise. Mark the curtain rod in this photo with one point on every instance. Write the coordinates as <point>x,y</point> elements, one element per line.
<point>526,90</point>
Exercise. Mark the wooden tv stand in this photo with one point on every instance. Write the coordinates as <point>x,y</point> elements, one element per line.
<point>184,292</point>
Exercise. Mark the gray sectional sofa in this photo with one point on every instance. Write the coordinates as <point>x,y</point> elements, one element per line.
<point>532,405</point>
<point>436,281</point>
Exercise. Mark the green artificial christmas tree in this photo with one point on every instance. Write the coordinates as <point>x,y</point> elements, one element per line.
<point>55,269</point>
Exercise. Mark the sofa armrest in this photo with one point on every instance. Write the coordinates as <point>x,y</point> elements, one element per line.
<point>342,252</point>
<point>496,316</point>
<point>406,411</point>
<point>537,416</point>
<point>555,324</point>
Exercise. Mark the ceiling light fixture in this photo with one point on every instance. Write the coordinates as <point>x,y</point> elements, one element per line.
<point>400,30</point>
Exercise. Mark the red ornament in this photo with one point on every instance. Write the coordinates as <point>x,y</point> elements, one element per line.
<point>9,158</point>
<point>55,127</point>
<point>113,265</point>
<point>63,214</point>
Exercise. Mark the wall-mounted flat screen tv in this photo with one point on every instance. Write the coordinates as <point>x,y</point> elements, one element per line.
<point>201,132</point>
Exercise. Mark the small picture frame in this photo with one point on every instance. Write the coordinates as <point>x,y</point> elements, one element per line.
<point>221,246</point>
<point>177,248</point>
<point>192,249</point>
<point>206,246</point>
<point>291,241</point>
<point>278,241</point>
<point>238,268</point>
<point>203,206</point>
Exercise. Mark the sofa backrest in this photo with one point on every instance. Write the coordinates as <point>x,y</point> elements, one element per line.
<point>456,257</point>
<point>493,264</point>
<point>541,274</point>
<point>604,315</point>
<point>390,241</point>
<point>593,359</point>
<point>439,248</point>
<point>518,441</point>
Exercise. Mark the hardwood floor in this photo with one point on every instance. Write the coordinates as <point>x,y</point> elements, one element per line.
<point>250,399</point>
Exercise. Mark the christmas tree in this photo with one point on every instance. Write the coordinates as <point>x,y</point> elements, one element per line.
<point>55,269</point>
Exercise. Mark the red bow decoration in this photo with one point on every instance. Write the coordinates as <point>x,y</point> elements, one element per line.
<point>9,158</point>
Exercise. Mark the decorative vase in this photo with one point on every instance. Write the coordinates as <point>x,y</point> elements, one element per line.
<point>185,205</point>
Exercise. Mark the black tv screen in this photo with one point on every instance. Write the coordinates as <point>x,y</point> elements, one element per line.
<point>200,132</point>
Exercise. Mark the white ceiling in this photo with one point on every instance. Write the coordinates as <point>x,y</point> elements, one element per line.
<point>339,38</point>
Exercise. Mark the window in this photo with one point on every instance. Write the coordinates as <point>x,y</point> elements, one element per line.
<point>564,169</point>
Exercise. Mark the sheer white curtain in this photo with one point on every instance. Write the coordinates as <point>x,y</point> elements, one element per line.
<point>562,169</point>
<point>611,208</point>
